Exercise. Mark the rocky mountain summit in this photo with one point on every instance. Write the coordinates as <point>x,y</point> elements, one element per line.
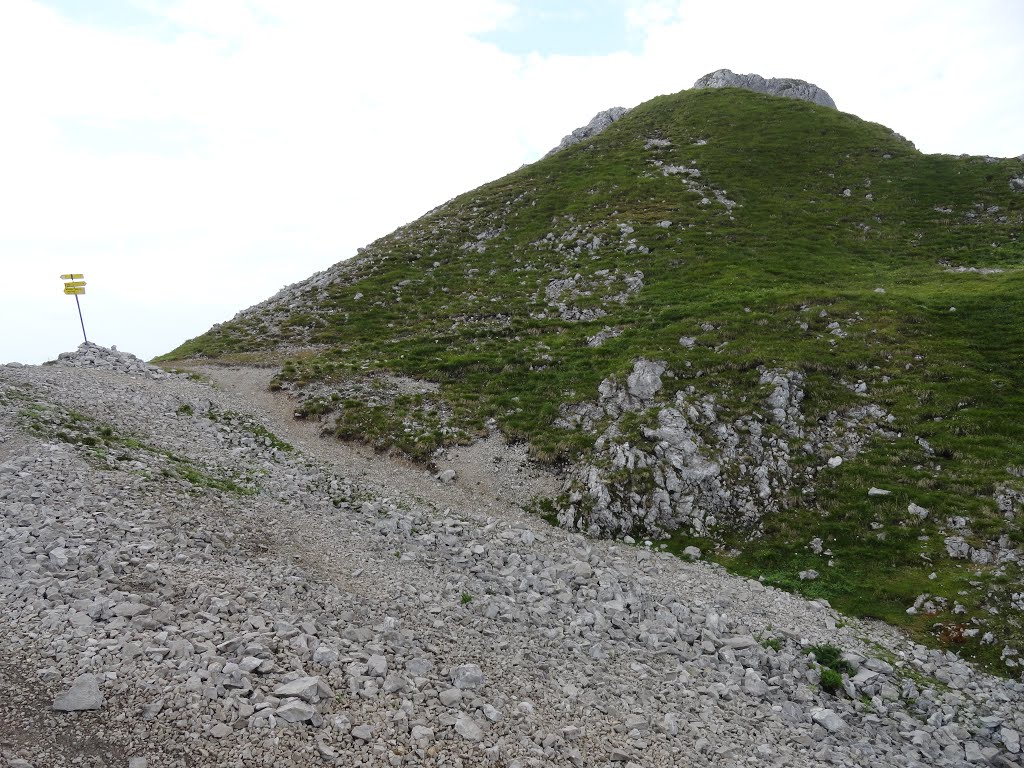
<point>182,587</point>
<point>786,87</point>
<point>789,88</point>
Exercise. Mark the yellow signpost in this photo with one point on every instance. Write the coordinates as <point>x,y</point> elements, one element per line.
<point>74,285</point>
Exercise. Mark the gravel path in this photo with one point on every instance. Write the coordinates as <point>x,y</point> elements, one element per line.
<point>187,592</point>
<point>491,476</point>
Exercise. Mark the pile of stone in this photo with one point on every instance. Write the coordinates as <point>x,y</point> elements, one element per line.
<point>158,618</point>
<point>90,355</point>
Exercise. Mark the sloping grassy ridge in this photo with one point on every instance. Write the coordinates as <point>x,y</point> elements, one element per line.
<point>767,234</point>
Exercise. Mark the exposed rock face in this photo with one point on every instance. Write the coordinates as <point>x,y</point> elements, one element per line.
<point>773,86</point>
<point>697,466</point>
<point>599,123</point>
<point>561,293</point>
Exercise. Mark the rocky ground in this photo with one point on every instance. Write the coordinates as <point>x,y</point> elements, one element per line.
<point>182,587</point>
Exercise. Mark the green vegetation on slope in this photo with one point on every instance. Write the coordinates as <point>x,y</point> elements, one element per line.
<point>837,261</point>
<point>107,448</point>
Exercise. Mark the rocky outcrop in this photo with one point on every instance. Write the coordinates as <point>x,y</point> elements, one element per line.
<point>695,465</point>
<point>560,293</point>
<point>788,87</point>
<point>598,123</point>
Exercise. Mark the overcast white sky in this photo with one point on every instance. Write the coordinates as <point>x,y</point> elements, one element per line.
<point>191,157</point>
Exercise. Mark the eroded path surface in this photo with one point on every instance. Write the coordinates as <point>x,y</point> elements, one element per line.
<point>491,475</point>
<point>215,600</point>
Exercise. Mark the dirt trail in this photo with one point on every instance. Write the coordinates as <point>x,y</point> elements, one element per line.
<point>492,477</point>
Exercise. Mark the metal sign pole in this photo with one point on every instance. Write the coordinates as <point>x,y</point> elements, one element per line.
<point>73,286</point>
<point>80,319</point>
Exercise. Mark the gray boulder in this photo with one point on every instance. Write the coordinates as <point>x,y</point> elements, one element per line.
<point>311,689</point>
<point>828,719</point>
<point>84,694</point>
<point>295,711</point>
<point>645,380</point>
<point>377,666</point>
<point>753,683</point>
<point>364,732</point>
<point>446,476</point>
<point>467,677</point>
<point>468,728</point>
<point>788,87</point>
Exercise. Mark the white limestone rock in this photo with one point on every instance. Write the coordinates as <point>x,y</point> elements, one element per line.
<point>311,689</point>
<point>1010,738</point>
<point>753,684</point>
<point>828,719</point>
<point>467,677</point>
<point>468,728</point>
<point>377,666</point>
<point>450,697</point>
<point>958,548</point>
<point>644,381</point>
<point>295,711</point>
<point>221,730</point>
<point>788,87</point>
<point>421,734</point>
<point>917,511</point>
<point>363,732</point>
<point>418,667</point>
<point>597,124</point>
<point>84,694</point>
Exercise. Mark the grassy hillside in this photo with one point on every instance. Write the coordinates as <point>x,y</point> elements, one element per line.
<point>723,233</point>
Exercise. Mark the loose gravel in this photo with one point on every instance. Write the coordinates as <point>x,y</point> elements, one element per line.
<point>190,577</point>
